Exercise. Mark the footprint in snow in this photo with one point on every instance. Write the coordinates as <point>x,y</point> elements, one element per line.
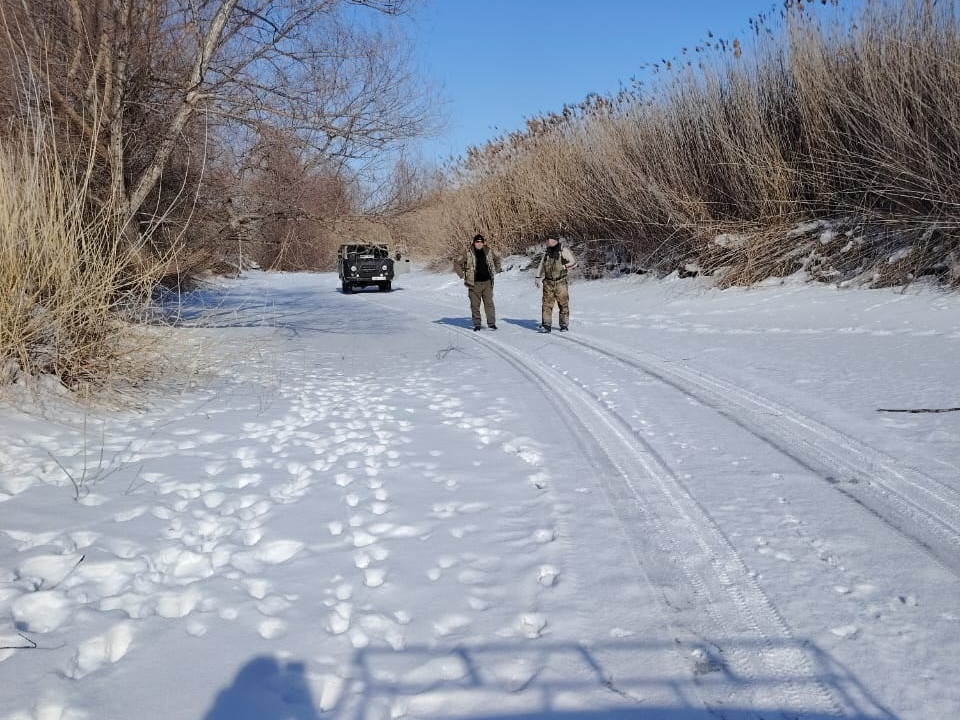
<point>172,604</point>
<point>374,577</point>
<point>361,538</point>
<point>847,632</point>
<point>524,448</point>
<point>424,678</point>
<point>257,588</point>
<point>41,612</point>
<point>130,514</point>
<point>213,500</point>
<point>451,509</point>
<point>250,536</point>
<point>47,571</point>
<point>338,621</point>
<point>478,603</point>
<point>379,553</point>
<point>538,480</point>
<point>274,552</point>
<point>247,457</point>
<point>381,627</point>
<point>271,628</point>
<point>531,625</point>
<point>364,558</point>
<point>544,535</point>
<point>252,507</point>
<point>472,576</point>
<point>515,675</point>
<point>273,605</point>
<point>548,576</point>
<point>96,652</point>
<point>212,469</point>
<point>450,624</point>
<point>293,490</point>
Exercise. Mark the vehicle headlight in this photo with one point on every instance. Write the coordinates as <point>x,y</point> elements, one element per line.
<point>383,267</point>
<point>353,268</point>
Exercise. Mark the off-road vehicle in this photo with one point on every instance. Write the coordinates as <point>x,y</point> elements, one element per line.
<point>362,264</point>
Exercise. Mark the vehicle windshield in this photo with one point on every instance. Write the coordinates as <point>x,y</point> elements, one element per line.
<point>367,251</point>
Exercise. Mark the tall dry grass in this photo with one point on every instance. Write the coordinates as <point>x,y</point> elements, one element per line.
<point>68,280</point>
<point>843,113</point>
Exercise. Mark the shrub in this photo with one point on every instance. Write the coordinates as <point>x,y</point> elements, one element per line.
<point>69,278</point>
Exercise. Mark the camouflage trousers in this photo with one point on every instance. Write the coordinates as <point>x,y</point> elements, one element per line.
<point>555,292</point>
<point>482,292</point>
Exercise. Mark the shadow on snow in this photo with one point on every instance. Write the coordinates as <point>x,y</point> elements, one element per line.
<point>477,682</point>
<point>294,311</point>
<point>466,322</point>
<point>266,689</point>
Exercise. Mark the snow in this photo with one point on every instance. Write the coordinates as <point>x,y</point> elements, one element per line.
<point>690,506</point>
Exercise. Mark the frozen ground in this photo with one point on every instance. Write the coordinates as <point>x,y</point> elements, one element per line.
<point>354,507</point>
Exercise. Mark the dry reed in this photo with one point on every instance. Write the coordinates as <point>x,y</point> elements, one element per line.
<point>851,117</point>
<point>68,279</point>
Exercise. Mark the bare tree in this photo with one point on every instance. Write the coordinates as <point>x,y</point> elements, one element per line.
<point>146,83</point>
<point>291,205</point>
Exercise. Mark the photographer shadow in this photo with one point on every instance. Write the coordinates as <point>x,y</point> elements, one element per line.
<point>266,689</point>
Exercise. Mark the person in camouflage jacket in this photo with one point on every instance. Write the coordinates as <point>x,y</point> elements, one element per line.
<point>552,277</point>
<point>476,267</point>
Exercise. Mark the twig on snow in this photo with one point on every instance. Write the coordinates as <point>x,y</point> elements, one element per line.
<point>32,645</point>
<point>442,354</point>
<point>919,410</point>
<point>75,566</point>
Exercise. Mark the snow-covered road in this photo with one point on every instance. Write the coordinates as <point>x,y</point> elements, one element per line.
<point>688,507</point>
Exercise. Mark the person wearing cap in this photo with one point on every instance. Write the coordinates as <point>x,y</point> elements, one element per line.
<point>552,277</point>
<point>476,267</point>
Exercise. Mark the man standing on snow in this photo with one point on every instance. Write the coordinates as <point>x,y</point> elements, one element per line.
<point>552,277</point>
<point>477,267</point>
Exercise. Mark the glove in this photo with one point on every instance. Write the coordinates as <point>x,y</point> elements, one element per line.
<point>538,283</point>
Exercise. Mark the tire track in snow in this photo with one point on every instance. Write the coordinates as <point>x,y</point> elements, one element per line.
<point>740,645</point>
<point>916,505</point>
<point>742,652</point>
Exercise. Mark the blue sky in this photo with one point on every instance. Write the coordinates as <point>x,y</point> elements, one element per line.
<point>497,62</point>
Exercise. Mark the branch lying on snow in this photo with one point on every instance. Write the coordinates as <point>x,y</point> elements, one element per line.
<point>31,646</point>
<point>75,566</point>
<point>920,410</point>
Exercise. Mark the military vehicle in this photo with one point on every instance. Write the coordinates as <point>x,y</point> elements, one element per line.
<point>363,264</point>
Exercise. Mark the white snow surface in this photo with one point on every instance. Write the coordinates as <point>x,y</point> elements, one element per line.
<point>693,505</point>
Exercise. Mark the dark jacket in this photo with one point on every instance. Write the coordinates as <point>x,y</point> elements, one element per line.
<point>466,265</point>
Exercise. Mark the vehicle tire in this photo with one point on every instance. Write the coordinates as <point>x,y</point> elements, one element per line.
<point>385,286</point>
<point>346,288</point>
